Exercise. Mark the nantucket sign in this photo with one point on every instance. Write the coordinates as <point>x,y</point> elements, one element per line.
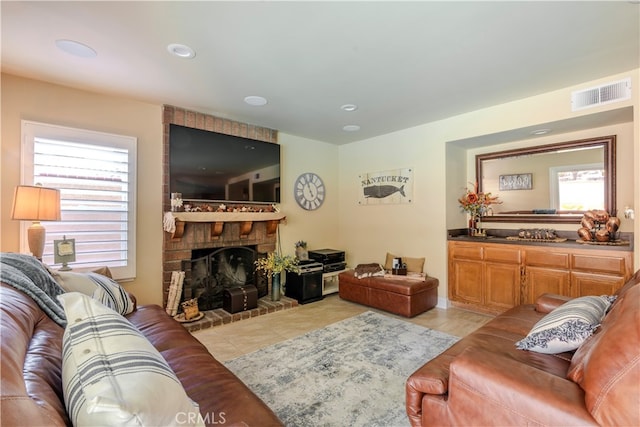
<point>386,187</point>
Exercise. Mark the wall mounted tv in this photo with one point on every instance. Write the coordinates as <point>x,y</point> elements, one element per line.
<point>210,166</point>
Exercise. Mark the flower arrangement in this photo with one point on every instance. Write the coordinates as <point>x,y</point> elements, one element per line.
<point>275,263</point>
<point>477,203</point>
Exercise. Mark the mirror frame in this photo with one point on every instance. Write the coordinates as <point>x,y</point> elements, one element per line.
<point>609,145</point>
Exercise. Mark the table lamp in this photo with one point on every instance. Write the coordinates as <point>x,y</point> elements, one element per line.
<point>36,203</point>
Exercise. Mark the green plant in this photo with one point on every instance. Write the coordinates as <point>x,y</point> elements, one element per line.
<point>276,263</point>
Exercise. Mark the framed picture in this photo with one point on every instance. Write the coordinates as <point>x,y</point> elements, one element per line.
<point>64,252</point>
<point>517,181</point>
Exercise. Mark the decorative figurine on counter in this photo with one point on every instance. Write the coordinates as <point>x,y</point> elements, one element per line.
<point>599,226</point>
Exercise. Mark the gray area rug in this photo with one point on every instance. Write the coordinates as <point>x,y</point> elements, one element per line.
<point>350,373</point>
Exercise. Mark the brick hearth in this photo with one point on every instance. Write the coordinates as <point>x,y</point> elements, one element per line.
<point>220,317</point>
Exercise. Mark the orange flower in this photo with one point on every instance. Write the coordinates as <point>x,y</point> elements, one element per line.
<point>476,203</point>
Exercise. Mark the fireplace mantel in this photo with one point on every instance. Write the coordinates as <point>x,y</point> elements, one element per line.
<point>218,219</point>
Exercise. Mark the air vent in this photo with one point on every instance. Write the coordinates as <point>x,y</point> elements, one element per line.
<point>600,95</point>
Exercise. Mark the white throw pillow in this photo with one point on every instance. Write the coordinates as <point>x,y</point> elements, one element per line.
<point>112,375</point>
<point>101,288</point>
<point>567,326</point>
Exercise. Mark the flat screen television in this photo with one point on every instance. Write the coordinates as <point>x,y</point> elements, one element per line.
<point>210,166</point>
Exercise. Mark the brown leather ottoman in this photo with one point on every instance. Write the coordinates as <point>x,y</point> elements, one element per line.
<point>403,295</point>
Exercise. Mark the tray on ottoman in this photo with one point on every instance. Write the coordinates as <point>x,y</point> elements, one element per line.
<point>242,298</point>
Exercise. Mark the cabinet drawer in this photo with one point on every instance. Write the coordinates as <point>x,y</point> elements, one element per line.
<point>547,259</point>
<point>505,255</point>
<point>466,252</point>
<point>594,284</point>
<point>593,264</point>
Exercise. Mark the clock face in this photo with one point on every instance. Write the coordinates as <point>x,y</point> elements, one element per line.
<point>309,191</point>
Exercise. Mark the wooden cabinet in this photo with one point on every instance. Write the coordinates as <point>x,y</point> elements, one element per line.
<point>465,262</point>
<point>486,277</point>
<point>545,271</point>
<point>596,274</point>
<point>493,277</point>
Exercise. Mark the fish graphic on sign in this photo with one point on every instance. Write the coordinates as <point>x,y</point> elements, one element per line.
<point>382,191</point>
<point>386,187</point>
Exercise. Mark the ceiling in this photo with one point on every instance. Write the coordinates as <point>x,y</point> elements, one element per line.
<point>402,63</point>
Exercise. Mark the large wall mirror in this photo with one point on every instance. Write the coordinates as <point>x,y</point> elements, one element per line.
<point>550,183</point>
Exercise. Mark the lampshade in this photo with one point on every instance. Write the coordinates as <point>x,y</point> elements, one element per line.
<point>35,203</point>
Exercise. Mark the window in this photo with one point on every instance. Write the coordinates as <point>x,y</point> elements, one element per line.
<point>95,173</point>
<point>577,187</point>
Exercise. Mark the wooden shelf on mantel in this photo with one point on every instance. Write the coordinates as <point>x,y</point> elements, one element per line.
<point>217,220</point>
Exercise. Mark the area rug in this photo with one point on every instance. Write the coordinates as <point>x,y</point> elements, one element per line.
<point>350,373</point>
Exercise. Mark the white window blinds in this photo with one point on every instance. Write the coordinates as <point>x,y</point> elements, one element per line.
<point>95,173</point>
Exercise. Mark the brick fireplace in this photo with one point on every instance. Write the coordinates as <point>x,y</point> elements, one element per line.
<point>212,230</point>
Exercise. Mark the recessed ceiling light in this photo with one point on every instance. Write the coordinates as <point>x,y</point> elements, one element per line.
<point>349,107</point>
<point>256,101</point>
<point>181,50</point>
<point>351,128</point>
<point>540,131</point>
<point>76,48</point>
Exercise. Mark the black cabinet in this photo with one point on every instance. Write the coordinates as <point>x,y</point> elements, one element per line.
<point>304,287</point>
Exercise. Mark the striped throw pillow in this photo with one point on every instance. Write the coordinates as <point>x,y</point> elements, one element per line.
<point>101,288</point>
<point>112,375</point>
<point>566,327</point>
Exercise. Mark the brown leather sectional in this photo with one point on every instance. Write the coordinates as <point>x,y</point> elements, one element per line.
<point>484,380</point>
<point>31,368</point>
<point>401,295</point>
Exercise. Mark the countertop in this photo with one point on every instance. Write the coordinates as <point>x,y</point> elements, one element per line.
<point>500,236</point>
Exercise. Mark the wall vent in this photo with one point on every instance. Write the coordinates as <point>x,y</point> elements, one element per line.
<point>601,95</point>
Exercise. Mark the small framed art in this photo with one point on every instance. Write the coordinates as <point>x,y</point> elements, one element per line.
<point>516,181</point>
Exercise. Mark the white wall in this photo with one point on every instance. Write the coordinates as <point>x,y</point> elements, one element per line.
<point>366,233</point>
<point>39,101</point>
<point>43,102</point>
<point>442,170</point>
<point>318,227</point>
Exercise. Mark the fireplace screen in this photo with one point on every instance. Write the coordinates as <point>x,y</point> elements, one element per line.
<point>207,276</point>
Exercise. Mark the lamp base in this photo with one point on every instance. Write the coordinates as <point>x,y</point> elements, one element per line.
<point>36,235</point>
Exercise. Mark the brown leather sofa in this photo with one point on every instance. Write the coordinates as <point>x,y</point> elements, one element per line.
<point>484,380</point>
<point>31,368</point>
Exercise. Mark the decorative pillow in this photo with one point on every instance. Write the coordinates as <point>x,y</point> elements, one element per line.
<point>566,327</point>
<point>414,265</point>
<point>112,375</point>
<point>99,287</point>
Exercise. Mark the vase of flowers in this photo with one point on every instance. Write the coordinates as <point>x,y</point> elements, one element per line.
<point>273,265</point>
<point>301,250</point>
<point>477,204</point>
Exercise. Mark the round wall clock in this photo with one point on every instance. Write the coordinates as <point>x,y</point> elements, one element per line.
<point>309,191</point>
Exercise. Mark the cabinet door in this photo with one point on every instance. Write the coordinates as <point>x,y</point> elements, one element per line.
<point>594,284</point>
<point>541,280</point>
<point>502,285</point>
<point>465,281</point>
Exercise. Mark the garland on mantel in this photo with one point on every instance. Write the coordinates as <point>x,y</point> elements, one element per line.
<point>207,207</point>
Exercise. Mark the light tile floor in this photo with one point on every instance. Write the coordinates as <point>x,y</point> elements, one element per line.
<point>231,340</point>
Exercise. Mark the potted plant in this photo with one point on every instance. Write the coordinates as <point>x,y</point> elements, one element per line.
<point>273,265</point>
<point>301,250</point>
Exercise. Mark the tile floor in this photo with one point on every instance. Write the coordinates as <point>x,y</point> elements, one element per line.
<point>231,340</point>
